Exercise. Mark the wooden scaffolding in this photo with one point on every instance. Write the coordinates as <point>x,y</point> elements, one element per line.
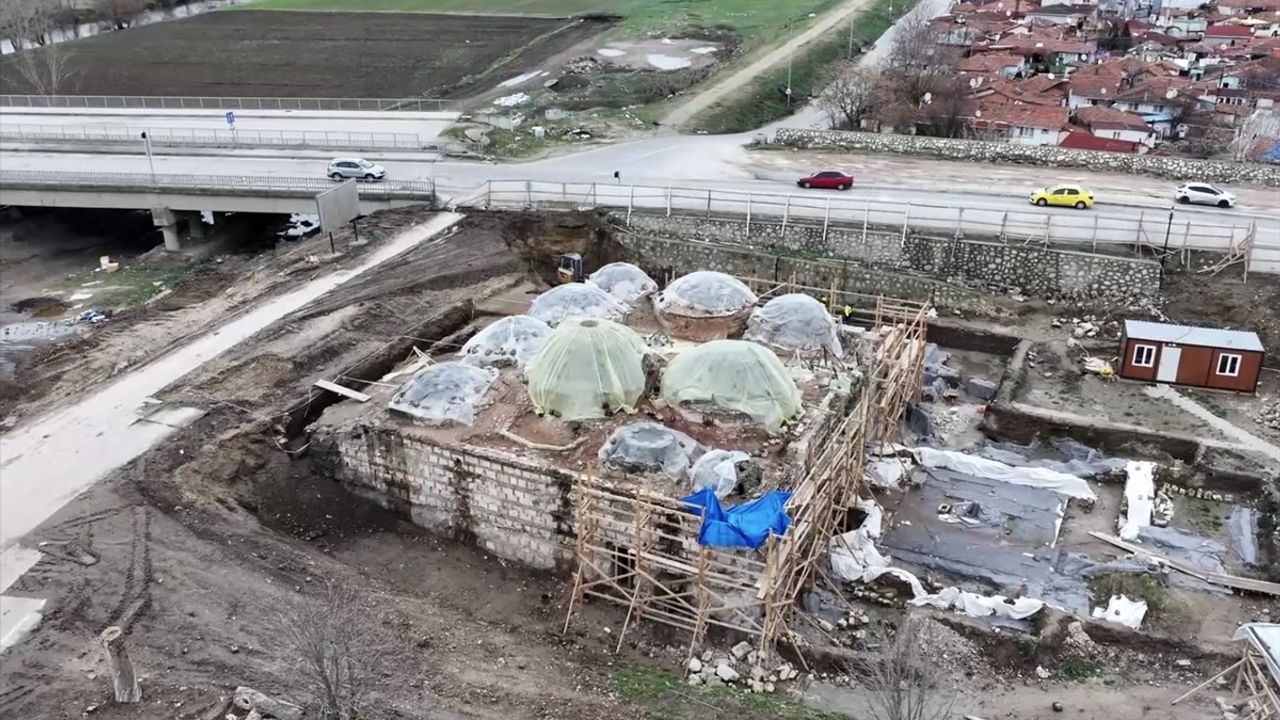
<point>639,549</point>
<point>1256,675</point>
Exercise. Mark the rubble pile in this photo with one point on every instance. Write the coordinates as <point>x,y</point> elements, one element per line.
<point>1268,416</point>
<point>742,667</point>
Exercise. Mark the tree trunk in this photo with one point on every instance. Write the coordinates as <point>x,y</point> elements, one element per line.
<point>126,683</point>
<point>247,698</point>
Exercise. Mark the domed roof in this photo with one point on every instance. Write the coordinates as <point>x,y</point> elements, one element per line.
<point>648,447</point>
<point>794,322</point>
<point>449,391</point>
<point>736,376</point>
<point>586,369</point>
<point>511,340</point>
<point>624,281</point>
<point>576,300</point>
<point>704,293</point>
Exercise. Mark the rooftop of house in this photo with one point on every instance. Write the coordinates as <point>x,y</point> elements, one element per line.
<point>1228,31</point>
<point>1081,140</point>
<point>1192,335</point>
<point>1042,44</point>
<point>990,62</point>
<point>1106,118</point>
<point>1031,116</point>
<point>1062,9</point>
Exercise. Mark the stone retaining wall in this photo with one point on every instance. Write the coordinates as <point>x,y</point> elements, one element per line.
<point>942,271</point>
<point>1173,168</point>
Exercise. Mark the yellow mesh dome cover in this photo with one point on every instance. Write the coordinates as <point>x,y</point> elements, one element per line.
<point>586,369</point>
<point>733,375</point>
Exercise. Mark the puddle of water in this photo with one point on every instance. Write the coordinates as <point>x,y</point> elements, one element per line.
<point>667,62</point>
<point>611,52</point>
<point>704,50</point>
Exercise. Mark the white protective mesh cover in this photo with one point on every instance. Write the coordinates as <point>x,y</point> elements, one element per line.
<point>511,340</point>
<point>586,369</point>
<point>733,375</point>
<point>794,322</point>
<point>624,281</point>
<point>704,293</point>
<point>718,470</point>
<point>649,448</point>
<point>450,391</point>
<point>576,301</point>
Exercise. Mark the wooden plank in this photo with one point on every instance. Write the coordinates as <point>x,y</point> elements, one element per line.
<point>342,390</point>
<point>1231,581</point>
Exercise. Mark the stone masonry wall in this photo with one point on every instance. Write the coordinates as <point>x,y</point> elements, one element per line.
<point>1174,168</point>
<point>513,509</point>
<point>882,262</point>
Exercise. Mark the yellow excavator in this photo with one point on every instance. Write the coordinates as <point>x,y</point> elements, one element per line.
<point>569,269</point>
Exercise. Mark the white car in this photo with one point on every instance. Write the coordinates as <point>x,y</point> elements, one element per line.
<point>1204,194</point>
<point>358,168</point>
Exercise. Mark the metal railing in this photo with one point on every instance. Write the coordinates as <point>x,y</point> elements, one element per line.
<point>214,137</point>
<point>209,184</point>
<point>1156,230</point>
<point>222,104</point>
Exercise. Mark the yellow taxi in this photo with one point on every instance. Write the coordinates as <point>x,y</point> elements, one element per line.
<point>1074,196</point>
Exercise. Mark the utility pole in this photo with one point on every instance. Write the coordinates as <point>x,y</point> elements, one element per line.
<point>146,142</point>
<point>851,36</point>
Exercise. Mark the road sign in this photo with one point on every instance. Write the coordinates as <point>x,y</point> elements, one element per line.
<point>338,206</point>
<point>231,118</point>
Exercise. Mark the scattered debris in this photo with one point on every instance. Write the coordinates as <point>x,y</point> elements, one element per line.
<point>1122,610</point>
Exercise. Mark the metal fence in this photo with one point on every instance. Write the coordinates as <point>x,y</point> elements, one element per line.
<point>231,184</point>
<point>214,137</point>
<point>1157,230</point>
<point>221,104</point>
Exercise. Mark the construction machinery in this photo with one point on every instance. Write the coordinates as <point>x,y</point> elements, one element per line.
<point>569,269</point>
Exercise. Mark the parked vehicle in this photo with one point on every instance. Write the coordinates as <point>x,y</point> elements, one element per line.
<point>1063,196</point>
<point>1204,194</point>
<point>358,168</point>
<point>827,180</point>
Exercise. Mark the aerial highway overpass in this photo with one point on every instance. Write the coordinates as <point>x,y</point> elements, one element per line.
<point>175,198</point>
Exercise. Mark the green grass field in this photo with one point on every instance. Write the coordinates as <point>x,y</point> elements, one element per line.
<point>752,20</point>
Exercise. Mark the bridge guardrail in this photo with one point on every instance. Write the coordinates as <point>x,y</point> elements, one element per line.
<point>1157,230</point>
<point>146,182</point>
<point>222,104</point>
<point>213,137</point>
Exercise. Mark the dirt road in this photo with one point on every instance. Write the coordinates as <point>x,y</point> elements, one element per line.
<point>49,461</point>
<point>723,88</point>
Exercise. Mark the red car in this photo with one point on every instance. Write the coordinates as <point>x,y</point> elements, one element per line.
<point>828,180</point>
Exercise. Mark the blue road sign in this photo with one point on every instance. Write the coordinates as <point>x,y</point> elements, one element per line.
<point>231,118</point>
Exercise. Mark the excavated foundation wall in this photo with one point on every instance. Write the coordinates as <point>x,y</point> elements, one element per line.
<point>511,508</point>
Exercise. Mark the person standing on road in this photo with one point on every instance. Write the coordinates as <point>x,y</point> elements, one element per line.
<point>617,175</point>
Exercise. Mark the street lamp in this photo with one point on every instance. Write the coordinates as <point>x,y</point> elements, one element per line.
<point>146,142</point>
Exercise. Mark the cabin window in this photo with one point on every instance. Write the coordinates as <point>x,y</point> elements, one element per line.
<point>1144,355</point>
<point>1229,365</point>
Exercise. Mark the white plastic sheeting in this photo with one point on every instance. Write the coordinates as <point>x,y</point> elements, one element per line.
<point>718,470</point>
<point>576,301</point>
<point>1140,495</point>
<point>1123,611</point>
<point>648,447</point>
<point>449,391</point>
<point>733,375</point>
<point>795,322</point>
<point>855,557</point>
<point>511,340</point>
<point>704,293</point>
<point>982,467</point>
<point>586,369</point>
<point>624,281</point>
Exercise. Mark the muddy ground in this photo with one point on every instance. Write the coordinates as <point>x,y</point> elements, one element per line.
<point>311,54</point>
<point>195,546</point>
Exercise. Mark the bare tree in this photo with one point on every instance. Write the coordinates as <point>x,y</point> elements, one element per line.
<point>902,682</point>
<point>341,651</point>
<point>1260,125</point>
<point>46,70</point>
<point>915,60</point>
<point>849,97</point>
<point>120,14</point>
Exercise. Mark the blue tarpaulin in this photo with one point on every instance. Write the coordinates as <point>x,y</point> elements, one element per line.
<point>746,525</point>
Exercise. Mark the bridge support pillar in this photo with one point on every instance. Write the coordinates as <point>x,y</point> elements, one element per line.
<point>195,226</point>
<point>167,221</point>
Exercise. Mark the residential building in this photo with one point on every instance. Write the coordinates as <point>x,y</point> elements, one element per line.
<point>1113,124</point>
<point>1004,64</point>
<point>1229,35</point>
<point>1021,124</point>
<point>1083,140</point>
<point>1072,15</point>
